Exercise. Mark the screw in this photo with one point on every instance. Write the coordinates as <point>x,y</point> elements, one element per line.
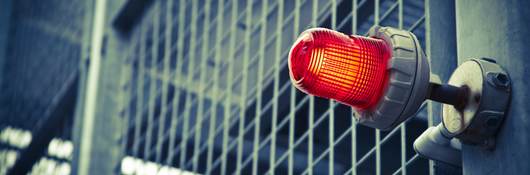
<point>492,121</point>
<point>499,79</point>
<point>489,143</point>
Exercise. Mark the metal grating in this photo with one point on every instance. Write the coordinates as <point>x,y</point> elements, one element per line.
<point>206,89</point>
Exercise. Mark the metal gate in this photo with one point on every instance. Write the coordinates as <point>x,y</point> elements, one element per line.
<point>204,88</point>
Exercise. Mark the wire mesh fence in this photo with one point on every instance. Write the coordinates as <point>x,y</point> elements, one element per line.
<point>206,89</point>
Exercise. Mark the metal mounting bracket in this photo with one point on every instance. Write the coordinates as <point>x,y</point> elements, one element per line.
<point>488,97</point>
<point>475,99</point>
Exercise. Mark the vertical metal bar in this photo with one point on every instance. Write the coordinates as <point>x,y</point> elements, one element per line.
<point>122,95</point>
<point>277,60</point>
<point>83,71</point>
<point>262,45</point>
<point>127,84</point>
<point>189,82</point>
<point>165,80</point>
<point>215,86</point>
<point>152,85</point>
<point>89,113</point>
<point>429,123</point>
<point>139,91</point>
<point>292,103</point>
<point>312,104</point>
<point>127,76</point>
<point>179,64</point>
<point>331,137</point>
<point>403,125</point>
<point>331,120</point>
<point>202,84</point>
<point>377,151</point>
<point>377,131</point>
<point>441,50</point>
<point>244,82</point>
<point>229,77</point>
<point>430,106</point>
<point>125,96</point>
<point>353,119</point>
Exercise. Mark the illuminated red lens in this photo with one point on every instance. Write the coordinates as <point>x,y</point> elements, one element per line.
<point>330,64</point>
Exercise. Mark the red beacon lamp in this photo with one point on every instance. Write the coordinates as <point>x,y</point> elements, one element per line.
<point>385,77</point>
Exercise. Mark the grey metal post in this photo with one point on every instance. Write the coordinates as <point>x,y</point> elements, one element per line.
<point>499,29</point>
<point>440,43</point>
<point>97,125</point>
<point>441,51</point>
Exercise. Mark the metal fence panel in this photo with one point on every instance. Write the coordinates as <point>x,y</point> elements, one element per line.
<point>208,90</point>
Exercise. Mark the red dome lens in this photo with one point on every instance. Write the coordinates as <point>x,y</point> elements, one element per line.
<point>330,64</point>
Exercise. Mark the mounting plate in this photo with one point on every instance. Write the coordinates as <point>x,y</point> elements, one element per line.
<point>488,96</point>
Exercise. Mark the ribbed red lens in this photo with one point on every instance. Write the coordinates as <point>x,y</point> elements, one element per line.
<point>330,64</point>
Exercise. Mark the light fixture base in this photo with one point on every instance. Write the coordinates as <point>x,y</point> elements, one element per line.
<point>408,81</point>
<point>489,90</point>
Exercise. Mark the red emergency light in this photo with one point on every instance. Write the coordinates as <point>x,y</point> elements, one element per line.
<point>384,77</point>
<point>349,69</point>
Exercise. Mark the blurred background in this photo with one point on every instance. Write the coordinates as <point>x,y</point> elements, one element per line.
<point>202,86</point>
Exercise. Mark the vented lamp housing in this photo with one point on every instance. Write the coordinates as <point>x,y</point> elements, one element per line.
<point>384,77</point>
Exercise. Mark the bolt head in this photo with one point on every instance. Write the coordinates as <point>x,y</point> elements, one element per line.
<point>492,121</point>
<point>499,79</point>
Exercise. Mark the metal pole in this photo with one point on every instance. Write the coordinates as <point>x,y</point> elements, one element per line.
<point>89,114</point>
<point>500,30</point>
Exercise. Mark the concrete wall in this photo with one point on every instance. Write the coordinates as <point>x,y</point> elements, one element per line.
<point>500,30</point>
